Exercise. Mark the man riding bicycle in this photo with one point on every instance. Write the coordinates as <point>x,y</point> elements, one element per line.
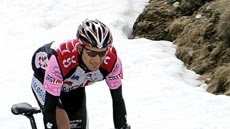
<point>62,70</point>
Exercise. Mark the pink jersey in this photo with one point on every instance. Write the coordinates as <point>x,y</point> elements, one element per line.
<point>63,71</point>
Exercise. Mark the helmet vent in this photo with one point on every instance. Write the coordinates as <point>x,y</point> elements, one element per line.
<point>87,24</point>
<point>94,29</point>
<point>93,41</point>
<point>100,34</point>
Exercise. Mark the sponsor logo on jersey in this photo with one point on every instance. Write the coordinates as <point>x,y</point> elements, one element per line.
<point>53,80</point>
<point>71,60</point>
<point>116,68</point>
<point>75,77</point>
<point>38,90</point>
<point>68,47</point>
<point>107,58</point>
<point>56,72</point>
<point>75,124</point>
<point>114,77</point>
<point>49,125</point>
<point>41,60</point>
<point>69,88</point>
<point>80,78</point>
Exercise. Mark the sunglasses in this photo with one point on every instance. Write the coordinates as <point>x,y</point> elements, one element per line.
<point>92,53</point>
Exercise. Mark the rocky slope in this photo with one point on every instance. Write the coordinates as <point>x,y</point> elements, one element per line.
<point>200,29</point>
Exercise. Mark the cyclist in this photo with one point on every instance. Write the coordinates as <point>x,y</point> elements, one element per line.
<point>62,70</point>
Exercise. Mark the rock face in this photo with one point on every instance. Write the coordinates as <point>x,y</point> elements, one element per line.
<point>200,29</point>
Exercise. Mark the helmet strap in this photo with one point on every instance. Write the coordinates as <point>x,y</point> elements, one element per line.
<point>80,50</point>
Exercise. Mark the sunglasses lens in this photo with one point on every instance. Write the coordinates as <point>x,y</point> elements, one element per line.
<point>102,54</point>
<point>94,53</point>
<point>91,53</point>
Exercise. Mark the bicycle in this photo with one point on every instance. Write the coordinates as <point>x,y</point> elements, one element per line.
<point>27,110</point>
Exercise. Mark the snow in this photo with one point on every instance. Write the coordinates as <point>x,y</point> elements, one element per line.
<point>159,91</point>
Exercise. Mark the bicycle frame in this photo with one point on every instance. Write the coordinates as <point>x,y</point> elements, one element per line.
<point>26,110</point>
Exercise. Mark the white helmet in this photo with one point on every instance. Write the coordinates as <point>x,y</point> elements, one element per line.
<point>94,33</point>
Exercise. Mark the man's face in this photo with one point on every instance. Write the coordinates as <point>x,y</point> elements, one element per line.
<point>93,57</point>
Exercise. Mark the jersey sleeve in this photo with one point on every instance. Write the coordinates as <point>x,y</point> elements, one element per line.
<point>113,79</point>
<point>53,79</point>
